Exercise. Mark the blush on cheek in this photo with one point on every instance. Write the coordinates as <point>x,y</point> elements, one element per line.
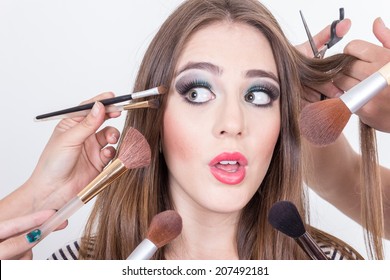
<point>177,142</point>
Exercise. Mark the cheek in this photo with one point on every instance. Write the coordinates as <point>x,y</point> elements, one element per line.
<point>179,140</point>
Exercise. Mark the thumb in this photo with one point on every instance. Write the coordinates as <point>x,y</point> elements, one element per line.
<point>382,33</point>
<point>88,126</point>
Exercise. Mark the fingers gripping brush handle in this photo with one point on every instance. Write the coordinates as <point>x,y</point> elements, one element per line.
<point>364,91</point>
<point>133,153</point>
<point>321,123</point>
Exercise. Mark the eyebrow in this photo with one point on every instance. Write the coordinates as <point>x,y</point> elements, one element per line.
<point>253,73</point>
<point>202,66</point>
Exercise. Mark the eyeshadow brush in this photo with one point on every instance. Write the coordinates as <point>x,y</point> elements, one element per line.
<point>109,101</point>
<point>152,104</point>
<point>322,122</point>
<point>134,153</point>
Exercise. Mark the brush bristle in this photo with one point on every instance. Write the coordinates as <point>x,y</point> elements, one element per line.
<point>284,216</point>
<point>164,227</point>
<point>154,103</point>
<point>162,89</point>
<point>135,150</point>
<point>322,122</point>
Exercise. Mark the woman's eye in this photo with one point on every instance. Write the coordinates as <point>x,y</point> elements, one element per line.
<point>258,97</point>
<point>199,95</point>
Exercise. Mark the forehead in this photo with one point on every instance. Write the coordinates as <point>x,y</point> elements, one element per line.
<point>229,43</point>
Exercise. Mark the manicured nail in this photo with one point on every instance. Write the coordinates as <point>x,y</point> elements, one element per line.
<point>95,109</point>
<point>33,236</point>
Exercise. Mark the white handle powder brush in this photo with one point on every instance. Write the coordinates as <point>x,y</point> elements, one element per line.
<point>163,228</point>
<point>323,122</point>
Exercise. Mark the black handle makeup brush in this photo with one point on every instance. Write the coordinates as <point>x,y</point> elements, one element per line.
<point>109,101</point>
<point>322,122</point>
<point>164,227</point>
<point>284,216</point>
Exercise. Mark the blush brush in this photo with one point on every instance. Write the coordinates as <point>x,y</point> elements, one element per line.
<point>134,153</point>
<point>284,216</point>
<point>322,122</point>
<point>109,101</point>
<point>163,228</point>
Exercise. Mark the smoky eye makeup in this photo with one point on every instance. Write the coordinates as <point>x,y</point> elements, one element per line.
<point>195,90</point>
<point>262,94</point>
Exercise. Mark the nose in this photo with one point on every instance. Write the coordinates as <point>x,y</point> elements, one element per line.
<point>230,119</point>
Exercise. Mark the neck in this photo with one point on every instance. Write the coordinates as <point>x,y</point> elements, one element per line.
<point>205,236</point>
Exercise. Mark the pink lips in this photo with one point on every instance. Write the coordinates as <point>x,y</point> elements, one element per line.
<point>229,168</point>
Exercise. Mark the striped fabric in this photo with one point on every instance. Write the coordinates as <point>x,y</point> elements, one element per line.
<point>71,252</point>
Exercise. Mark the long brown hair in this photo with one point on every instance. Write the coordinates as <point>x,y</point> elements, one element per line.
<point>122,213</point>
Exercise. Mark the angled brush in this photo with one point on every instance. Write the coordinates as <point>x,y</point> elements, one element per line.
<point>152,104</point>
<point>284,216</point>
<point>134,153</point>
<point>109,101</point>
<point>163,228</point>
<point>323,122</point>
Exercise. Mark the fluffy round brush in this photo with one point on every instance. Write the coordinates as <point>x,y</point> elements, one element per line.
<point>322,122</point>
<point>284,216</point>
<point>163,228</point>
<point>134,153</point>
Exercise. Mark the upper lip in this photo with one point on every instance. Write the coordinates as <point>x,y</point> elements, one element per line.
<point>235,156</point>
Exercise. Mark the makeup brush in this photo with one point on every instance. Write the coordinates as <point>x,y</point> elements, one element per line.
<point>109,101</point>
<point>163,228</point>
<point>152,104</point>
<point>134,153</point>
<point>284,216</point>
<point>322,122</point>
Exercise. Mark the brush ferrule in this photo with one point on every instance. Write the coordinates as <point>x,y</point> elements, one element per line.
<point>360,94</point>
<point>307,243</point>
<point>145,93</point>
<point>144,251</point>
<point>108,175</point>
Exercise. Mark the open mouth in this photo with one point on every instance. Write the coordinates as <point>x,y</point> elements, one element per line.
<point>229,168</point>
<point>228,165</point>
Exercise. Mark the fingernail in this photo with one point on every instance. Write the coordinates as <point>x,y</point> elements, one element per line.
<point>95,109</point>
<point>381,21</point>
<point>33,236</point>
<point>114,139</point>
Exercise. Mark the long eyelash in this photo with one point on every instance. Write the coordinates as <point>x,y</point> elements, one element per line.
<point>271,90</point>
<point>183,88</point>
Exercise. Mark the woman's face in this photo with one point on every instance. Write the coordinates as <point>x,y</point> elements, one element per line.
<point>222,118</point>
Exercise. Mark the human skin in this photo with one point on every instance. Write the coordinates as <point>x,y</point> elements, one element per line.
<point>220,108</point>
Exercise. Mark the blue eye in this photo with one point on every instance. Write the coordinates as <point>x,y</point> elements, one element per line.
<point>261,96</point>
<point>195,92</point>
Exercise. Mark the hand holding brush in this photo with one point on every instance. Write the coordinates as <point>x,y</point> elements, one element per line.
<point>134,153</point>
<point>323,122</point>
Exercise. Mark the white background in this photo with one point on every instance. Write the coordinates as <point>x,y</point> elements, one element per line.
<point>55,54</point>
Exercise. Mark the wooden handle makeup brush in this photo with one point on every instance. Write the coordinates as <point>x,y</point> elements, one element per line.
<point>322,122</point>
<point>285,217</point>
<point>163,228</point>
<point>134,153</point>
<point>152,104</point>
<point>108,101</point>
